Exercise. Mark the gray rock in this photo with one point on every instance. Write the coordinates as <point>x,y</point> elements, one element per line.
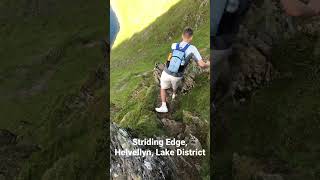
<point>173,127</point>
<point>7,137</point>
<point>151,167</point>
<point>12,153</point>
<point>135,167</point>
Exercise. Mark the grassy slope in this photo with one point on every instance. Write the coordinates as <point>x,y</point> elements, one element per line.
<point>281,121</point>
<point>138,55</point>
<point>44,63</point>
<point>134,93</point>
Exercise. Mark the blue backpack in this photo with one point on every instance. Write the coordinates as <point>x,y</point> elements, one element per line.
<point>177,58</point>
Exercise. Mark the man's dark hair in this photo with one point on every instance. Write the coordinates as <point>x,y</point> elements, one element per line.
<point>188,31</point>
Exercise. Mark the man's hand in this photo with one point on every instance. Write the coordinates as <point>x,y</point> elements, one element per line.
<point>203,64</point>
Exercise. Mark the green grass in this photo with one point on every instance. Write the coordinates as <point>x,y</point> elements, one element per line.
<point>197,100</point>
<point>134,92</point>
<point>45,60</point>
<point>140,53</point>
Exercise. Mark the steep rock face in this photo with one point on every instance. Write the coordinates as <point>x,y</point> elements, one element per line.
<point>151,167</point>
<point>264,26</point>
<point>135,167</point>
<point>260,30</point>
<point>271,50</point>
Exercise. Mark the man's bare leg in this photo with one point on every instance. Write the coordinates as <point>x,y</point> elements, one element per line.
<point>163,95</point>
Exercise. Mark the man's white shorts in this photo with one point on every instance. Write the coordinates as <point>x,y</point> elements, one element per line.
<point>167,81</point>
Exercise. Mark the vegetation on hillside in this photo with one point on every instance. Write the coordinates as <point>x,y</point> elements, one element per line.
<point>279,123</point>
<point>51,93</point>
<point>134,93</point>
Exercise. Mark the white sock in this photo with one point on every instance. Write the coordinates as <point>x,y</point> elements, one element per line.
<point>164,104</point>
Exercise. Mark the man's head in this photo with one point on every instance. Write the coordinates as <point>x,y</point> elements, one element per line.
<point>187,34</point>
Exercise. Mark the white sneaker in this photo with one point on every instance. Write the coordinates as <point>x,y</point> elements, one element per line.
<point>162,109</point>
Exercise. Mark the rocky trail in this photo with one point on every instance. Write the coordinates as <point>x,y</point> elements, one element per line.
<point>175,127</point>
<point>136,94</point>
<point>192,129</point>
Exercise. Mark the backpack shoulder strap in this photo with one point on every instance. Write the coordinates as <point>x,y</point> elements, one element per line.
<point>177,46</point>
<point>185,48</point>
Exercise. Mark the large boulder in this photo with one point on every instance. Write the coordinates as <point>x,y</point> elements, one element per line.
<point>152,167</point>
<point>135,167</point>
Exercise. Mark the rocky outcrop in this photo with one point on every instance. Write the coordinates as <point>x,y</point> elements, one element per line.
<point>257,64</point>
<point>135,167</point>
<point>192,129</point>
<point>151,167</point>
<point>12,153</point>
<point>252,50</point>
<point>264,26</point>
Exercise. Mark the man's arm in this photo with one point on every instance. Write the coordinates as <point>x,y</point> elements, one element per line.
<point>197,57</point>
<point>203,64</point>
<point>298,8</point>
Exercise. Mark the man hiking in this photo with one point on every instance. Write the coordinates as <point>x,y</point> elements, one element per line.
<point>178,60</point>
